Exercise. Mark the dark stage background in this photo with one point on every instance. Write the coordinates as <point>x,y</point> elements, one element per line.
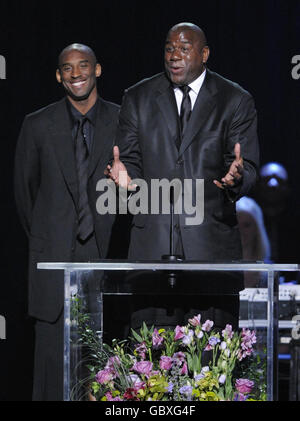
<point>252,43</point>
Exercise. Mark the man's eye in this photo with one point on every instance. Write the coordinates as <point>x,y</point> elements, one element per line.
<point>83,65</point>
<point>184,49</point>
<point>169,50</point>
<point>66,68</point>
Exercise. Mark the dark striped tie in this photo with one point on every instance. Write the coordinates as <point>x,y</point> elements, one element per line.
<point>85,218</point>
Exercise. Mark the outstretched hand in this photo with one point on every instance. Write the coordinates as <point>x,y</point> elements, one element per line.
<point>235,173</point>
<point>118,172</point>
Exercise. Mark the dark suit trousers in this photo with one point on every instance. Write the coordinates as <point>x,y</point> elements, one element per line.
<point>49,341</point>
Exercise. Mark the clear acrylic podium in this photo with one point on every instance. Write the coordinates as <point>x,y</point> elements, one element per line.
<point>78,275</point>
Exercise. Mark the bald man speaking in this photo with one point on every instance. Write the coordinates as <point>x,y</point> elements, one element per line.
<point>189,123</point>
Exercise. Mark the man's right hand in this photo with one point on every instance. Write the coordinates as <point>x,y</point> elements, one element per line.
<point>118,172</point>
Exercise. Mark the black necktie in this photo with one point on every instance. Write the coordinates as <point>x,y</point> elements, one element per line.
<point>85,218</point>
<point>186,108</point>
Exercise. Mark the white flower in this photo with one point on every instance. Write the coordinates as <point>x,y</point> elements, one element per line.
<point>222,378</point>
<point>187,339</point>
<point>199,334</point>
<point>223,345</point>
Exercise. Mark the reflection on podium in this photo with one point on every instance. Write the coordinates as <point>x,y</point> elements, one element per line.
<point>267,310</point>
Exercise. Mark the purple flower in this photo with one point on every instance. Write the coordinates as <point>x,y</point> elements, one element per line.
<point>157,340</point>
<point>239,397</point>
<point>179,333</point>
<point>141,349</point>
<point>170,387</point>
<point>244,386</point>
<point>186,390</point>
<point>165,362</point>
<point>112,364</point>
<point>143,367</point>
<point>198,377</point>
<point>133,379</point>
<point>227,332</point>
<point>207,325</point>
<point>195,321</point>
<point>104,376</point>
<point>179,359</point>
<point>179,356</point>
<point>213,341</point>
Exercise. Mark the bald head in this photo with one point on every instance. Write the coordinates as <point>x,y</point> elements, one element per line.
<point>186,53</point>
<point>76,47</point>
<point>197,32</point>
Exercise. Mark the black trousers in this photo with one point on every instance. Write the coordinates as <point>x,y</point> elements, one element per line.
<point>49,341</point>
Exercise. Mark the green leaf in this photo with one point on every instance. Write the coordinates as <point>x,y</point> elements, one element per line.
<point>136,336</point>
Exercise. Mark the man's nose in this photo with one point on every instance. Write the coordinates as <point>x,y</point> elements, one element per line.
<point>75,72</point>
<point>175,55</point>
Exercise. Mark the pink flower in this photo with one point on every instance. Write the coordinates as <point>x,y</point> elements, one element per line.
<point>244,386</point>
<point>143,367</point>
<point>184,369</point>
<point>104,376</point>
<point>110,397</point>
<point>248,339</point>
<point>227,332</point>
<point>179,333</point>
<point>179,359</point>
<point>157,340</point>
<point>179,356</point>
<point>195,321</point>
<point>207,325</point>
<point>165,362</point>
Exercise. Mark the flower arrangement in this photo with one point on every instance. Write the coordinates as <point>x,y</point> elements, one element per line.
<point>167,365</point>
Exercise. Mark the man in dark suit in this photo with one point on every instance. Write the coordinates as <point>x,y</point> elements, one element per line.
<point>190,123</point>
<point>61,154</point>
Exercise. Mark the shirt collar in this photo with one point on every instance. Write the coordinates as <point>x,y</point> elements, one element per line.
<point>76,115</point>
<point>197,83</point>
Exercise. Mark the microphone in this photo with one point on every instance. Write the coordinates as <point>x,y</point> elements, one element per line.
<point>172,257</point>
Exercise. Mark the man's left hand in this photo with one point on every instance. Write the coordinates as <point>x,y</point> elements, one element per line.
<point>235,173</point>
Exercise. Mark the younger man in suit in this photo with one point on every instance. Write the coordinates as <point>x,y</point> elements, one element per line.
<point>61,154</point>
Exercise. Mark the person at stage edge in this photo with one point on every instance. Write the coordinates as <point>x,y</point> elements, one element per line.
<point>189,123</point>
<point>61,154</point>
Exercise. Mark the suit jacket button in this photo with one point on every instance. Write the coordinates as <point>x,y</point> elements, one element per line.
<point>179,161</point>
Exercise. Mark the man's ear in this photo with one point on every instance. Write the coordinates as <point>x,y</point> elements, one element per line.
<point>58,76</point>
<point>205,52</point>
<point>98,70</point>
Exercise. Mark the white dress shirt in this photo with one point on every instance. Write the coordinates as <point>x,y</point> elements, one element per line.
<point>195,88</point>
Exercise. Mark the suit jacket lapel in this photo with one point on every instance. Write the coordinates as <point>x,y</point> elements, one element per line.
<point>203,107</point>
<point>167,103</point>
<point>102,142</point>
<point>64,146</point>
